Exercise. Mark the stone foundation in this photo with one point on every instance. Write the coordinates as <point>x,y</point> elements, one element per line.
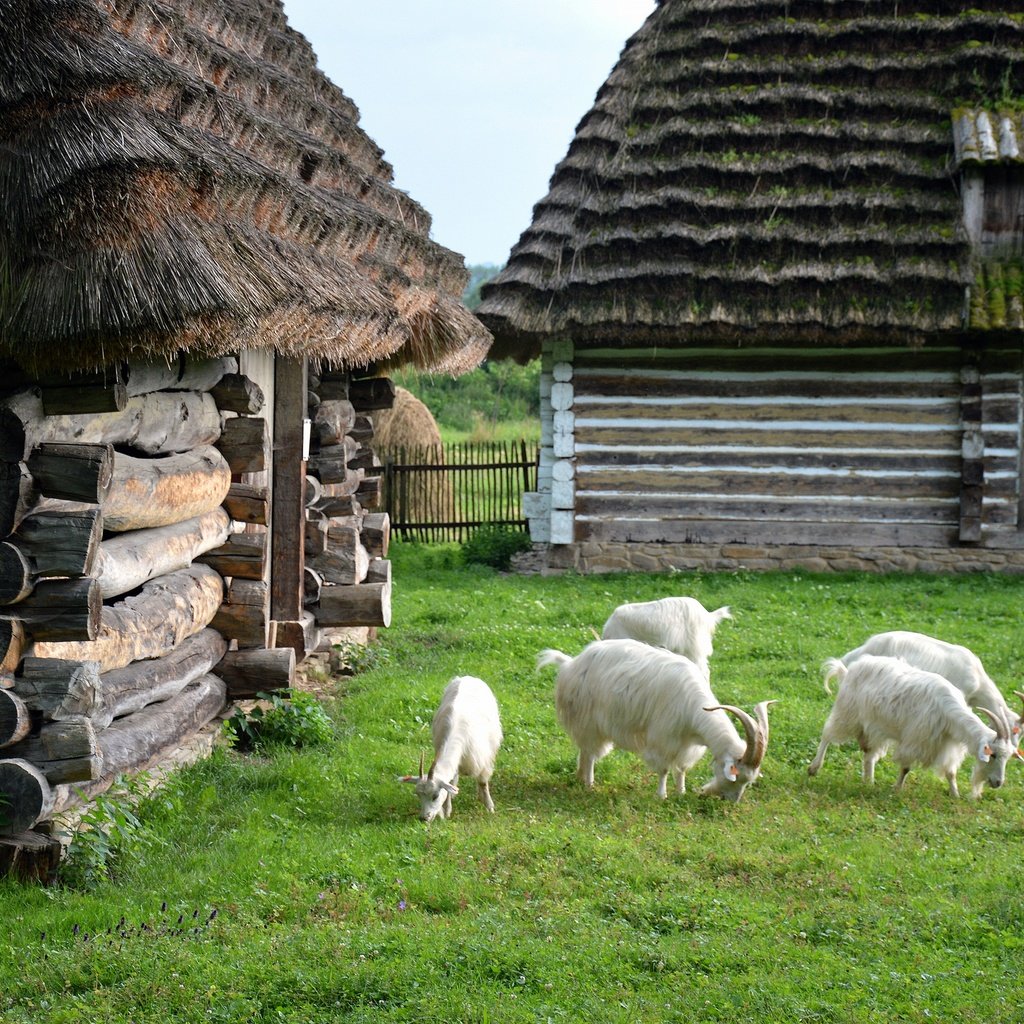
<point>592,557</point>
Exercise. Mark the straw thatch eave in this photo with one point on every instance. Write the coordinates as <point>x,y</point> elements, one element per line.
<point>168,189</point>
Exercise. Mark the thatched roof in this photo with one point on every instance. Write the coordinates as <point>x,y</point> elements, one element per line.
<point>760,169</point>
<point>181,176</point>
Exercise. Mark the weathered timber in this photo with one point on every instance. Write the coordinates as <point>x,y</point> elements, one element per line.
<point>59,610</point>
<point>158,492</point>
<point>156,424</point>
<point>18,495</point>
<point>235,392</point>
<point>73,472</point>
<point>314,536</point>
<point>58,689</point>
<point>30,856</point>
<point>332,421</point>
<point>365,604</point>
<point>371,393</point>
<point>247,503</point>
<point>131,559</point>
<point>247,673</point>
<point>149,624</point>
<point>365,459</point>
<point>12,644</point>
<point>63,751</point>
<point>972,448</point>
<point>85,395</point>
<point>186,373</point>
<point>333,387</point>
<point>245,444</point>
<point>60,541</point>
<point>244,613</point>
<point>333,506</point>
<point>331,463</point>
<point>379,571</point>
<point>26,798</point>
<point>16,576</point>
<point>376,533</point>
<point>301,635</point>
<point>345,560</point>
<point>242,555</point>
<point>314,491</point>
<point>369,490</point>
<point>362,429</point>
<point>312,584</point>
<point>16,409</point>
<point>15,720</point>
<point>142,740</point>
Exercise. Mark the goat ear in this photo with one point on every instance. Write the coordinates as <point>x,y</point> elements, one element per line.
<point>732,773</point>
<point>408,778</point>
<point>449,788</point>
<point>984,752</point>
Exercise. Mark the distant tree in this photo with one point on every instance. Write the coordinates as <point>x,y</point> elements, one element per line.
<point>479,274</point>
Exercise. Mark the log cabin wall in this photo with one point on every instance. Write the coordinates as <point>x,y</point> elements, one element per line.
<point>844,457</point>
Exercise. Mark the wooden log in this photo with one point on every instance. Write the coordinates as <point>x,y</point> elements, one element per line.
<point>15,721</point>
<point>330,464</point>
<point>26,798</point>
<point>131,559</point>
<point>346,560</point>
<point>314,491</point>
<point>300,635</point>
<point>245,444</point>
<point>248,673</point>
<point>104,391</point>
<point>312,403</point>
<point>18,495</point>
<point>365,459</point>
<point>376,533</point>
<point>312,584</point>
<point>371,393</point>
<point>73,472</point>
<point>242,555</point>
<point>186,373</point>
<point>12,644</point>
<point>141,740</point>
<point>16,410</point>
<point>61,541</point>
<point>149,624</point>
<point>362,429</point>
<point>333,386</point>
<point>30,856</point>
<point>366,604</point>
<point>58,689</point>
<point>158,492</point>
<point>332,420</point>
<point>63,751</point>
<point>368,492</point>
<point>244,614</point>
<point>16,576</point>
<point>314,536</point>
<point>235,392</point>
<point>379,571</point>
<point>155,424</point>
<point>247,503</point>
<point>59,610</point>
<point>333,506</point>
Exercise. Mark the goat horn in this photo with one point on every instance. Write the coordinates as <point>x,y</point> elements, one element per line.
<point>756,741</point>
<point>998,722</point>
<point>1017,693</point>
<point>421,764</point>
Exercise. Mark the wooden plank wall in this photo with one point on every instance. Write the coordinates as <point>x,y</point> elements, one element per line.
<point>788,445</point>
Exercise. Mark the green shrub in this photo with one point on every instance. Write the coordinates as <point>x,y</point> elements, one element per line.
<point>292,718</point>
<point>495,546</point>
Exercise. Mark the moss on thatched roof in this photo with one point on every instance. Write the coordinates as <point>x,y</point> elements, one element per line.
<point>762,169</point>
<point>183,177</point>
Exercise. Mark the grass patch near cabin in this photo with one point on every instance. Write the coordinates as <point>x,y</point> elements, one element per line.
<point>811,900</point>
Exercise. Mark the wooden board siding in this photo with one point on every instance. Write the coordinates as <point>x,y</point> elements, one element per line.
<point>789,444</point>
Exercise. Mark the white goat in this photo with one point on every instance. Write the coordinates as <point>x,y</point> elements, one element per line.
<point>962,667</point>
<point>466,730</point>
<point>885,700</point>
<point>679,624</point>
<point>658,705</point>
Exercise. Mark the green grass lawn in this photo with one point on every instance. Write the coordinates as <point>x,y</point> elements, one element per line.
<point>811,900</point>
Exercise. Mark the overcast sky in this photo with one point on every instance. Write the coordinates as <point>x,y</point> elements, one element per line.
<point>472,101</point>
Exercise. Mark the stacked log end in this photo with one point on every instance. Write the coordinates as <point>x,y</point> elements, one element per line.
<point>346,539</point>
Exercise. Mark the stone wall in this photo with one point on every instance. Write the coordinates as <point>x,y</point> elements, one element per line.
<point>592,557</point>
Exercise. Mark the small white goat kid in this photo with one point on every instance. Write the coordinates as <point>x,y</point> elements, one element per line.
<point>679,624</point>
<point>883,701</point>
<point>659,705</point>
<point>961,666</point>
<point>466,730</point>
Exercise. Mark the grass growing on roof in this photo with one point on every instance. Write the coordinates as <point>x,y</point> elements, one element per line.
<point>813,899</point>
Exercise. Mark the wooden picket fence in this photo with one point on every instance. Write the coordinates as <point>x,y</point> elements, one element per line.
<point>445,492</point>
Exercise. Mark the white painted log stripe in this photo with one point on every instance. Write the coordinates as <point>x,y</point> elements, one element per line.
<point>877,377</point>
<point>772,426</point>
<point>780,470</point>
<point>743,449</point>
<point>615,355</point>
<point>758,401</point>
<point>800,499</point>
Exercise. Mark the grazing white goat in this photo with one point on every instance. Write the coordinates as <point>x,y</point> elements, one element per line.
<point>961,666</point>
<point>883,701</point>
<point>679,624</point>
<point>466,730</point>
<point>659,705</point>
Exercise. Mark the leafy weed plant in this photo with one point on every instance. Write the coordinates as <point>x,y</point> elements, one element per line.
<point>811,900</point>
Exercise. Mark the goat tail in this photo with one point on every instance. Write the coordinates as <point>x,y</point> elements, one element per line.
<point>834,668</point>
<point>549,656</point>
